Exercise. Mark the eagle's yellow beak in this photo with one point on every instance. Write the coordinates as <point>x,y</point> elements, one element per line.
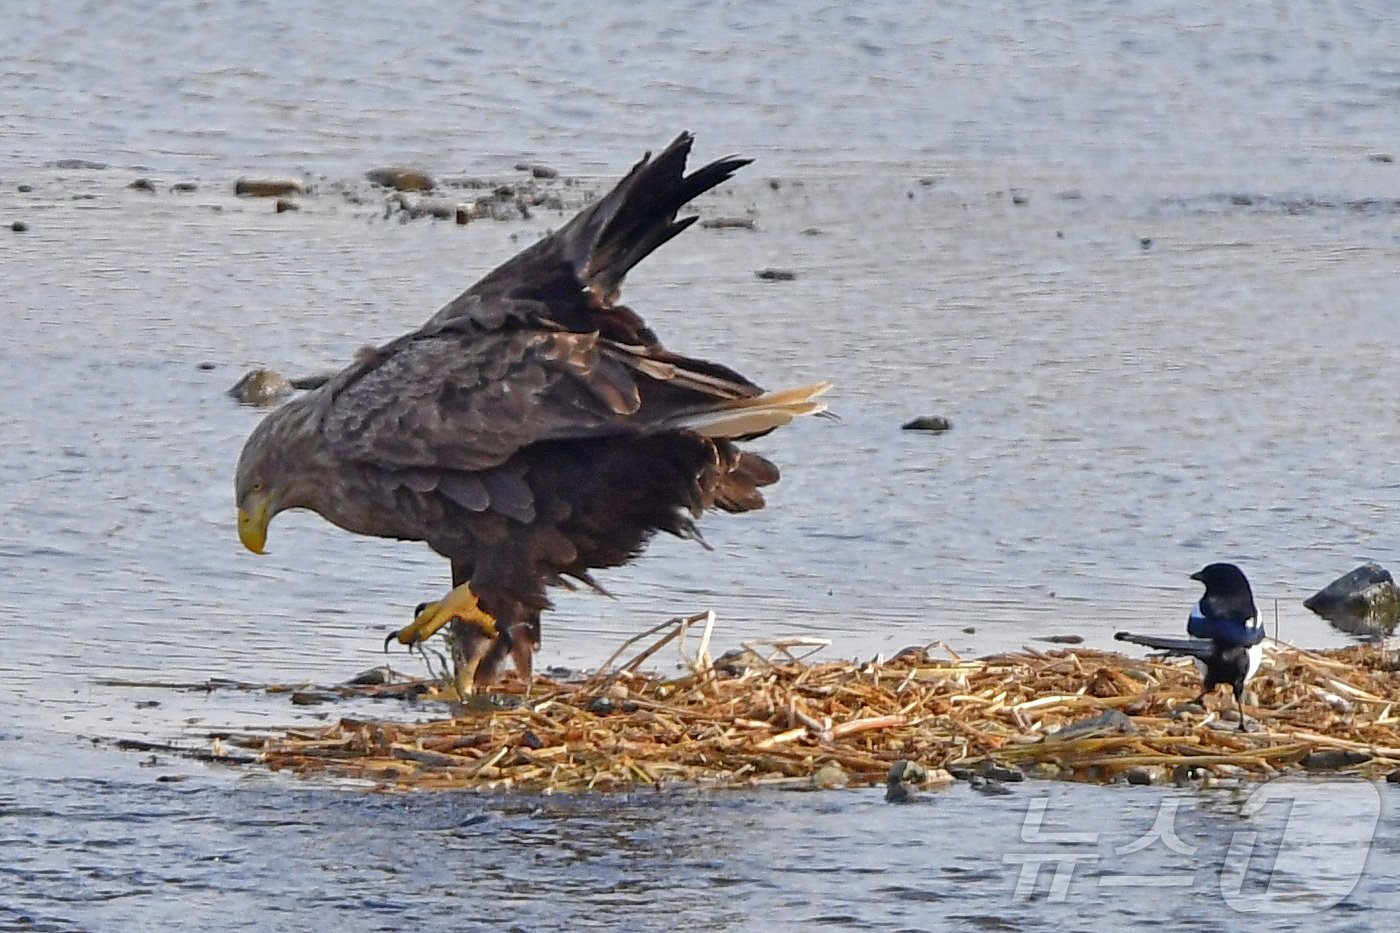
<point>252,527</point>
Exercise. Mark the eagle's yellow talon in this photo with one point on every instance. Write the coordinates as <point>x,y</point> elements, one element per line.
<point>459,604</point>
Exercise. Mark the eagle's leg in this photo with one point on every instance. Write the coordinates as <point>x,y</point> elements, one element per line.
<point>478,656</point>
<point>476,651</point>
<point>523,643</point>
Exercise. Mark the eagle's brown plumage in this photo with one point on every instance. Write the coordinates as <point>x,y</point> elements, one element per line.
<point>534,429</point>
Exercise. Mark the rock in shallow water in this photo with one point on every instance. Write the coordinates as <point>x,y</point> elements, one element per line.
<point>830,776</point>
<point>268,187</point>
<point>401,179</point>
<point>261,387</point>
<point>903,773</point>
<point>988,786</point>
<point>1333,759</point>
<point>1145,776</point>
<point>927,423</point>
<point>1362,602</point>
<point>905,777</point>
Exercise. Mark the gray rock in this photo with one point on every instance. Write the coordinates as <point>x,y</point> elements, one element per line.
<point>736,661</point>
<point>903,776</point>
<point>374,677</point>
<point>1109,722</point>
<point>935,423</point>
<point>988,786</point>
<point>830,776</point>
<point>914,654</point>
<point>314,381</point>
<point>1362,602</point>
<point>1333,759</point>
<point>1005,774</point>
<point>438,210</point>
<point>776,275</point>
<point>728,223</point>
<point>261,387</point>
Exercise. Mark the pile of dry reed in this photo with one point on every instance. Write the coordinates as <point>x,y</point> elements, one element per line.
<point>767,716</point>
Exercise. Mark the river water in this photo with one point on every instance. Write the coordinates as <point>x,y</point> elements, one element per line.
<point>1143,258</point>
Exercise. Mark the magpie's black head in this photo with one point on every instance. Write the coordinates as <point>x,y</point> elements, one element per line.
<point>1226,612</point>
<point>1224,579</point>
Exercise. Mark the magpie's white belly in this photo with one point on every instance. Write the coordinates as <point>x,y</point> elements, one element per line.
<point>1256,657</point>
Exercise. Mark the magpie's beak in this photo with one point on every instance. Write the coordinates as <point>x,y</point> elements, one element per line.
<point>1196,576</point>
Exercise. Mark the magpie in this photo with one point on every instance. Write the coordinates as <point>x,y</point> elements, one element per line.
<point>1226,637</point>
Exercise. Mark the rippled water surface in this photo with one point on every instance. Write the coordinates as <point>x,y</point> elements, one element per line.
<point>1143,259</point>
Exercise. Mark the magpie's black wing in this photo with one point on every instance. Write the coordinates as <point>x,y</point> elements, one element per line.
<point>1230,631</point>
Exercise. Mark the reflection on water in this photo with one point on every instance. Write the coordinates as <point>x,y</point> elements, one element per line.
<point>143,854</point>
<point>1143,260</point>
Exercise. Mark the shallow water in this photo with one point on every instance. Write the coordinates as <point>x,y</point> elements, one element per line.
<point>1142,259</point>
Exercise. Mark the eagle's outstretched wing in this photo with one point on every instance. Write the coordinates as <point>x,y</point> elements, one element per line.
<point>539,350</point>
<point>571,279</point>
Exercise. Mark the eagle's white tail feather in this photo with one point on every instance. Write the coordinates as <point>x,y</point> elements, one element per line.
<point>748,416</point>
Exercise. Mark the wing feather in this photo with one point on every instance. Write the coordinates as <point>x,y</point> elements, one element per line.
<point>538,351</point>
<point>469,402</point>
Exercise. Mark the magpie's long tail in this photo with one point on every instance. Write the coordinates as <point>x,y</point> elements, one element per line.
<point>1186,647</point>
